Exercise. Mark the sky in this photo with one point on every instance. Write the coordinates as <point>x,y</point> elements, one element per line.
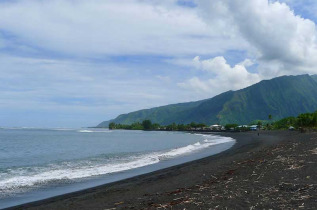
<point>76,63</point>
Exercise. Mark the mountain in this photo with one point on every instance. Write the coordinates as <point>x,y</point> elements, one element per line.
<point>314,77</point>
<point>280,97</point>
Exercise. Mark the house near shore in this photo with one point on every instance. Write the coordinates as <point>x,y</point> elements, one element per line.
<point>243,126</point>
<point>216,127</point>
<point>253,127</point>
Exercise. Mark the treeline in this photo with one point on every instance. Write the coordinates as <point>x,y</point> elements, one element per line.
<point>144,125</point>
<point>306,120</point>
<point>148,125</point>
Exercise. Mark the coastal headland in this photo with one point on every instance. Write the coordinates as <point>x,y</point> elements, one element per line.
<point>276,169</point>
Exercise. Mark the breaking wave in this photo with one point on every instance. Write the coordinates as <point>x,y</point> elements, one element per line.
<point>94,131</point>
<point>17,179</point>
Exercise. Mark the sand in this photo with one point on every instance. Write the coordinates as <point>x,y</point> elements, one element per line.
<point>276,170</point>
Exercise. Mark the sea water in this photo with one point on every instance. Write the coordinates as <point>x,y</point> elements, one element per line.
<point>41,163</point>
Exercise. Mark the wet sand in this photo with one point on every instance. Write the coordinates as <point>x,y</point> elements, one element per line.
<point>274,170</point>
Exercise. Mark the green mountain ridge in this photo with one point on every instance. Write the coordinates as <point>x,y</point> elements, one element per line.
<point>281,97</point>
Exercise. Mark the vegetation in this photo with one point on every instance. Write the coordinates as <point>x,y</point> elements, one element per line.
<point>148,125</point>
<point>231,126</point>
<point>266,101</point>
<point>306,120</point>
<point>133,126</point>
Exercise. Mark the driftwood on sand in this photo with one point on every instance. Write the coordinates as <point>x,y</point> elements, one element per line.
<point>276,170</point>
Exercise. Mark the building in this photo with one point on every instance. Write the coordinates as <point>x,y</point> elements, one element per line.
<point>216,127</point>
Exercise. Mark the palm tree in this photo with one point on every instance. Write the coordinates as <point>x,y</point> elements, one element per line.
<point>270,119</point>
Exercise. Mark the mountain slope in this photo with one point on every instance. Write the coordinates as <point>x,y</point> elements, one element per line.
<point>158,114</point>
<point>281,97</point>
<point>314,77</point>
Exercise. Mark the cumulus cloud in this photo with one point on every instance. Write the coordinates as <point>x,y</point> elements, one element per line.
<point>125,55</point>
<point>223,77</point>
<point>275,34</point>
<point>307,8</point>
<point>280,43</point>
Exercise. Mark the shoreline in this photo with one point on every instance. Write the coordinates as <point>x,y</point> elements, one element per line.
<point>145,190</point>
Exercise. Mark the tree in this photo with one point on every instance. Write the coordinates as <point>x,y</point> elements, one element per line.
<point>147,124</point>
<point>193,125</point>
<point>268,126</point>
<point>156,126</point>
<point>231,126</point>
<point>136,126</point>
<point>285,123</point>
<point>259,124</point>
<point>112,125</point>
<point>172,127</point>
<point>201,125</point>
<point>181,127</point>
<point>314,121</point>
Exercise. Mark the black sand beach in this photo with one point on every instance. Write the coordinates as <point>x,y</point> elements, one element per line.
<point>276,170</point>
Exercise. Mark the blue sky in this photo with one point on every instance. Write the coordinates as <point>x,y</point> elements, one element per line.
<point>75,63</point>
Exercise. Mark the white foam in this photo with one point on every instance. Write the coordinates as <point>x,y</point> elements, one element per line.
<point>85,131</point>
<point>69,173</point>
<point>213,140</point>
<point>94,131</point>
<point>24,177</point>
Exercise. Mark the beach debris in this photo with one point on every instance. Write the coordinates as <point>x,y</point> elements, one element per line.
<point>271,177</point>
<point>119,203</point>
<point>314,151</point>
<point>294,167</point>
<point>176,201</point>
<point>213,177</point>
<point>176,191</point>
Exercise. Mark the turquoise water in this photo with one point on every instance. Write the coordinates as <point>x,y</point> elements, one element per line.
<point>40,163</point>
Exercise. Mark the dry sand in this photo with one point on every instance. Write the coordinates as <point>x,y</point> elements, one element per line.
<point>276,170</point>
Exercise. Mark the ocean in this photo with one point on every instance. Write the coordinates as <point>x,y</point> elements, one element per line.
<point>40,163</point>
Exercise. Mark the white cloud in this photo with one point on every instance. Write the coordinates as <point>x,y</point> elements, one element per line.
<point>224,77</point>
<point>69,45</point>
<point>308,7</point>
<point>98,91</point>
<point>105,27</point>
<point>195,84</point>
<point>274,32</point>
<point>246,63</point>
<point>280,43</point>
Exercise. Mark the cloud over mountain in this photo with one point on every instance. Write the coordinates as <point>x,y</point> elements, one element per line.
<point>110,57</point>
<point>282,42</point>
